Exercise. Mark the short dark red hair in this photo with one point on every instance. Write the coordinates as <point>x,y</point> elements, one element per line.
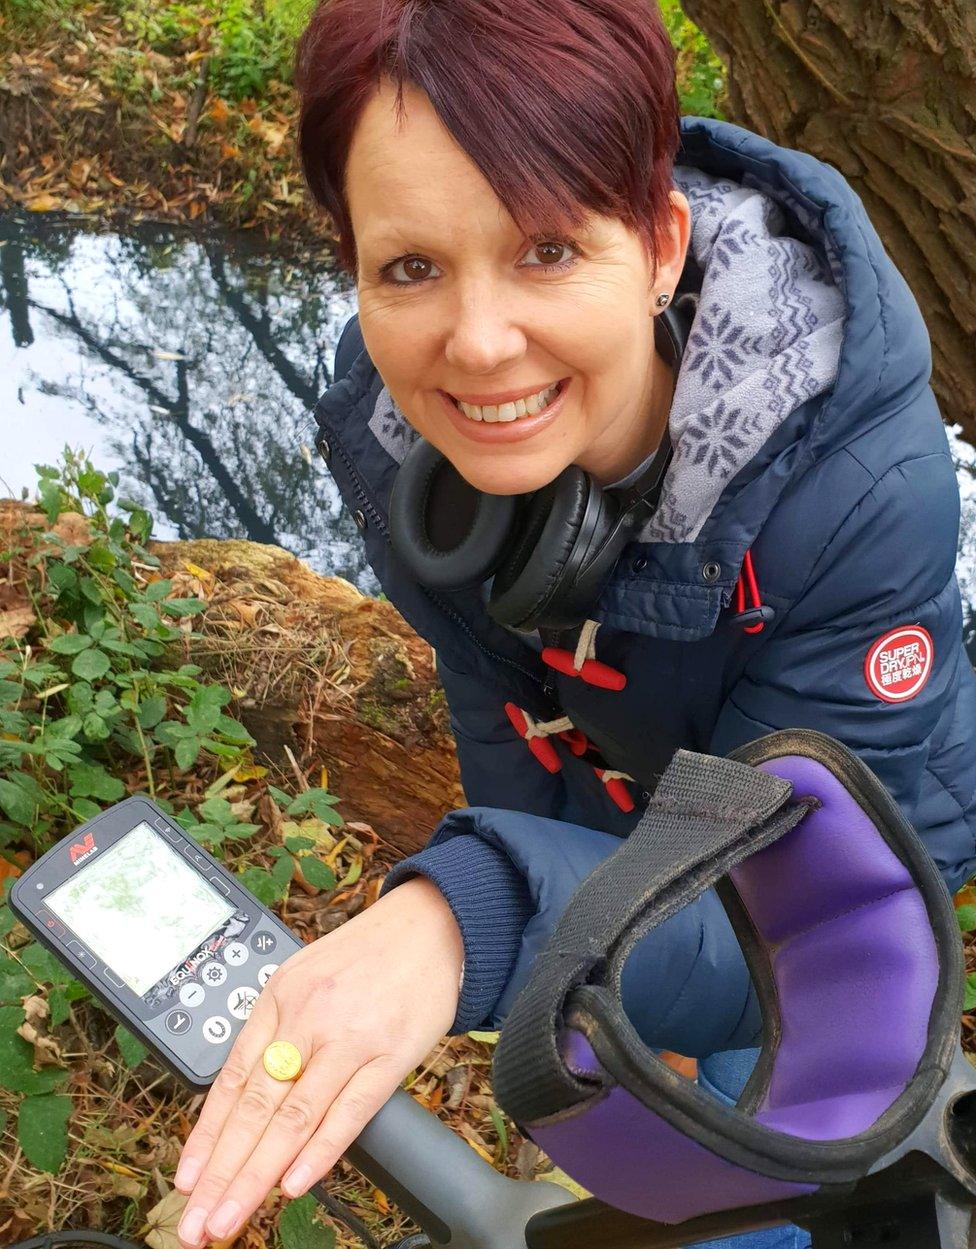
<point>564,105</point>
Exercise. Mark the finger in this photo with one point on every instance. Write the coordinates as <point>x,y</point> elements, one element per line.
<point>363,1096</point>
<point>243,1128</point>
<point>225,1091</point>
<point>292,1125</point>
<point>226,1149</point>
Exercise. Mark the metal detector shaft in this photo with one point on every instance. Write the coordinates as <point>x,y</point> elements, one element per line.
<point>437,1179</point>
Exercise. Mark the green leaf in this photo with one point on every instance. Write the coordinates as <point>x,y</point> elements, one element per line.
<point>183,606</point>
<point>146,615</point>
<point>260,883</point>
<point>299,1228</point>
<point>217,810</point>
<point>966,918</point>
<point>316,872</point>
<point>70,643</point>
<point>16,803</point>
<point>130,1047</point>
<point>81,696</point>
<point>498,1120</point>
<point>319,802</point>
<point>100,558</point>
<point>234,731</point>
<point>970,1001</point>
<point>42,964</point>
<point>42,1129</point>
<point>90,665</point>
<point>151,710</point>
<point>156,590</point>
<point>96,730</point>
<point>240,831</point>
<point>186,752</point>
<point>17,1058</point>
<point>204,709</point>
<point>15,984</point>
<point>295,844</point>
<point>89,780</point>
<point>283,871</point>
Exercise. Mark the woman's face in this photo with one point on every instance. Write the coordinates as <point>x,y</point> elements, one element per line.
<point>456,303</point>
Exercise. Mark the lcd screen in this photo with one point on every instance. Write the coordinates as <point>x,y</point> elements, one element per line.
<point>140,907</point>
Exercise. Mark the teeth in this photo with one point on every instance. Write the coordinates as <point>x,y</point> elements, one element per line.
<point>528,406</point>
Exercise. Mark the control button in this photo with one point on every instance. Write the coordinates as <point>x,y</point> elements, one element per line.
<point>222,885</point>
<point>194,855</point>
<point>213,974</point>
<point>178,1022</point>
<point>192,994</point>
<point>263,942</point>
<point>266,972</point>
<point>55,926</point>
<point>79,951</point>
<point>112,978</point>
<point>167,829</point>
<point>236,954</point>
<point>240,1002</point>
<point>216,1029</point>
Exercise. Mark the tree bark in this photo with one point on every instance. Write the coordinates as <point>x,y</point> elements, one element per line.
<point>884,90</point>
<point>337,678</point>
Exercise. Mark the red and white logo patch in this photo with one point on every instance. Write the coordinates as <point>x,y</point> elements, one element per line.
<point>898,663</point>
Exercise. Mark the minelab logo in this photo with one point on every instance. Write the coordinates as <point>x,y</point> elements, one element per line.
<point>82,849</point>
<point>898,664</point>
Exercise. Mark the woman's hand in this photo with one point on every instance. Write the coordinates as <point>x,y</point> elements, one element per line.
<point>364,1005</point>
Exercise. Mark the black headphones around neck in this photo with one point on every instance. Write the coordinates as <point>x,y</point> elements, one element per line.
<point>551,551</point>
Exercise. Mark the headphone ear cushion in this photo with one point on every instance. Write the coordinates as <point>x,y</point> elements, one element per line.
<point>560,526</point>
<point>447,533</point>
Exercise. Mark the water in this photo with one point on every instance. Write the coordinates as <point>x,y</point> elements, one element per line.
<point>190,363</point>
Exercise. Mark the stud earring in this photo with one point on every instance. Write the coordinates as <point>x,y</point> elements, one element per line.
<point>662,299</point>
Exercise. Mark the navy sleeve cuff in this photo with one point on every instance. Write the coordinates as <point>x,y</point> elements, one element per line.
<point>490,901</point>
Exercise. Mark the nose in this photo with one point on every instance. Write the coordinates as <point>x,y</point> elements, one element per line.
<point>484,335</point>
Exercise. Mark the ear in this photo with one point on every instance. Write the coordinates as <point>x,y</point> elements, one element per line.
<point>674,246</point>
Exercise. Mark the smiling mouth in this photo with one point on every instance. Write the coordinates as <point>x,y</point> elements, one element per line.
<point>530,405</point>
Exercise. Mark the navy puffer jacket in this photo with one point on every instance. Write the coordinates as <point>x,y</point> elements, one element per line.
<point>811,474</point>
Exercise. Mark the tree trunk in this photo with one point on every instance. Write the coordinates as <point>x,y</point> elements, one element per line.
<point>884,90</point>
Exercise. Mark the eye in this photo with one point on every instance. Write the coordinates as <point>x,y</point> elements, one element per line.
<point>416,267</point>
<point>416,270</point>
<point>552,247</point>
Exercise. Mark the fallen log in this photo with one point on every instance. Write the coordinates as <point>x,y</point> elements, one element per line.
<point>335,678</point>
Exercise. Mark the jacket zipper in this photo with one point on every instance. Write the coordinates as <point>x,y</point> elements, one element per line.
<point>380,522</point>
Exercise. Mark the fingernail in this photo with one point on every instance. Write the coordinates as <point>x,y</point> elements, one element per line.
<point>226,1218</point>
<point>188,1172</point>
<point>297,1181</point>
<point>191,1225</point>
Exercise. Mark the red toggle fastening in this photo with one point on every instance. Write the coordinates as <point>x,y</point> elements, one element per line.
<point>617,790</point>
<point>541,747</point>
<point>748,570</point>
<point>576,740</point>
<point>593,671</point>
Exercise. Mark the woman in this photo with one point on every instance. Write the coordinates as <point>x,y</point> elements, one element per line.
<point>519,227</point>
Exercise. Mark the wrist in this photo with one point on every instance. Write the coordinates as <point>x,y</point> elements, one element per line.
<point>425,903</point>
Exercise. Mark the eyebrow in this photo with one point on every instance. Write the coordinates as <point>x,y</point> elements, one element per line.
<point>390,234</point>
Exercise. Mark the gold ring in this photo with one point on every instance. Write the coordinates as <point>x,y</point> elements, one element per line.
<point>282,1060</point>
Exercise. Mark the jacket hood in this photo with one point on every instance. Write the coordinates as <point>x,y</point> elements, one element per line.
<point>803,336</point>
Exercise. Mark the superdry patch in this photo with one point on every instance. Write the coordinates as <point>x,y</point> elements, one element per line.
<point>898,663</point>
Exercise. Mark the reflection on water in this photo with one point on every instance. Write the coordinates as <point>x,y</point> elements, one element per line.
<point>190,362</point>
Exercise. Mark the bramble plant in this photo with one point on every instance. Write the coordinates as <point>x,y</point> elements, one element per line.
<point>99,694</point>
